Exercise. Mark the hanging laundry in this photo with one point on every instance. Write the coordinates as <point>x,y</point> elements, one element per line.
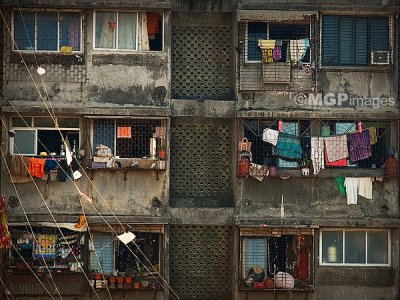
<point>63,171</point>
<point>4,233</point>
<point>36,167</point>
<point>45,246</point>
<point>336,163</point>
<point>19,169</point>
<point>336,147</point>
<point>340,183</point>
<point>365,187</point>
<point>359,145</point>
<point>298,49</point>
<point>270,136</point>
<point>317,154</point>
<point>351,184</point>
<point>277,52</point>
<point>288,146</point>
<point>50,164</point>
<point>267,47</point>
<point>153,21</point>
<point>373,138</point>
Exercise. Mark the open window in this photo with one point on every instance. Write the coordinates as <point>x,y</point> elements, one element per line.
<point>128,30</point>
<point>295,147</point>
<point>140,260</point>
<point>46,246</point>
<point>129,138</point>
<point>47,31</point>
<point>266,252</point>
<point>34,135</point>
<point>289,41</point>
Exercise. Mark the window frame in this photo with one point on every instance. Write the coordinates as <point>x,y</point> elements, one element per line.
<point>390,32</point>
<point>35,130</point>
<point>344,264</point>
<point>246,38</point>
<point>163,123</point>
<point>162,14</point>
<point>265,233</point>
<point>35,12</point>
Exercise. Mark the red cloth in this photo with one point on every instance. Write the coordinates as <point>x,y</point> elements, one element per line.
<point>36,167</point>
<point>152,22</point>
<point>302,265</point>
<point>337,163</point>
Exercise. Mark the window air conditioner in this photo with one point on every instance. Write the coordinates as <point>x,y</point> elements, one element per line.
<point>379,57</point>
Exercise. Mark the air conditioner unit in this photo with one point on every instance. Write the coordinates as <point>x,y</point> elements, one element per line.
<point>379,57</point>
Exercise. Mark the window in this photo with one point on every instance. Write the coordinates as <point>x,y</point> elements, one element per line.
<point>47,244</point>
<point>355,247</point>
<point>349,40</point>
<point>128,31</point>
<point>300,132</point>
<point>274,31</point>
<point>38,134</point>
<point>127,138</point>
<point>273,250</point>
<point>109,254</point>
<point>47,31</point>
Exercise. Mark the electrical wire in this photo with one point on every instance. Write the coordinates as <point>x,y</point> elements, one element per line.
<point>52,115</point>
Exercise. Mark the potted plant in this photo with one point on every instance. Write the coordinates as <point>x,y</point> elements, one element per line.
<point>305,166</point>
<point>120,281</point>
<point>111,281</point>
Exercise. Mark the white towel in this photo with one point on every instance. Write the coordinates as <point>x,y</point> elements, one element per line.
<point>365,187</point>
<point>270,136</point>
<point>336,147</point>
<point>317,154</point>
<point>351,184</point>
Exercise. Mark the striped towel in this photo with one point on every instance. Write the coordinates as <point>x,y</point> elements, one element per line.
<point>359,145</point>
<point>288,146</point>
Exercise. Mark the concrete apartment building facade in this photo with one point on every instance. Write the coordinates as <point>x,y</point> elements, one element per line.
<point>195,79</point>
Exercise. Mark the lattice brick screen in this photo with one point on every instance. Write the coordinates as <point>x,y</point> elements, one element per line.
<point>201,163</point>
<point>201,62</point>
<point>201,261</point>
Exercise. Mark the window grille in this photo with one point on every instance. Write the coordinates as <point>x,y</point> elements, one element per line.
<point>263,152</point>
<point>349,40</point>
<point>274,31</point>
<point>134,143</point>
<point>277,250</point>
<point>47,31</point>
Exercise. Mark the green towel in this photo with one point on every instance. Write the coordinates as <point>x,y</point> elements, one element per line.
<point>340,183</point>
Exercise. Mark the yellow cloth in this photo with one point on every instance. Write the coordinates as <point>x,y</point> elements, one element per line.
<point>266,44</point>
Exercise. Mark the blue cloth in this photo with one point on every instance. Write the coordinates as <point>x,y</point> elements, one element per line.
<point>50,164</point>
<point>288,146</point>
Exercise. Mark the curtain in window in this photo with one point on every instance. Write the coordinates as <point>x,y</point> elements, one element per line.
<point>70,30</point>
<point>143,35</point>
<point>105,34</point>
<point>127,30</point>
<point>47,31</point>
<point>24,30</point>
<point>254,253</point>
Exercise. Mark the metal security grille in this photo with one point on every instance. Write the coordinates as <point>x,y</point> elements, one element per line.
<point>128,137</point>
<point>201,61</point>
<point>139,143</point>
<point>201,164</point>
<point>200,261</point>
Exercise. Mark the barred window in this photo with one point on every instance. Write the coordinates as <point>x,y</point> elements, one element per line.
<point>47,31</point>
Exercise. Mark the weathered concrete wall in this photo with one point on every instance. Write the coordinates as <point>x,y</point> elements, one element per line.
<point>92,79</point>
<point>311,201</point>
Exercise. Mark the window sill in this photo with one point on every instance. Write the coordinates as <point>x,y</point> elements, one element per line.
<point>376,68</point>
<point>337,172</point>
<point>134,58</point>
<point>47,58</point>
<point>311,289</point>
